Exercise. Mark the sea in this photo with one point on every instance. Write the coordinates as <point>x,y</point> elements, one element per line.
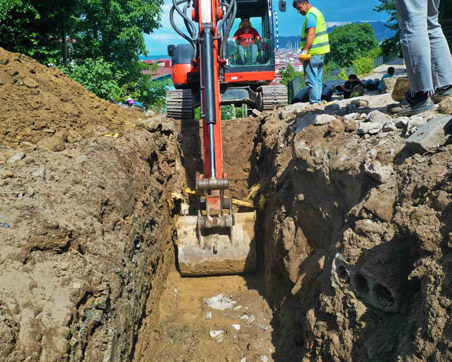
<point>154,57</point>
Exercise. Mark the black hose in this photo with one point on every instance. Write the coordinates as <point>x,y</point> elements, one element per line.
<point>188,23</point>
<point>233,8</point>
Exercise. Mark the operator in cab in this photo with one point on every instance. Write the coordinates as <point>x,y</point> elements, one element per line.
<point>314,45</point>
<point>247,37</point>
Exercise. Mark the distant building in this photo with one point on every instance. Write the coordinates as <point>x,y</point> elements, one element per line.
<point>163,71</point>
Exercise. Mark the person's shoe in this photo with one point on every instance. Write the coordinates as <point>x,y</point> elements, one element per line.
<point>408,109</point>
<point>403,104</point>
<point>440,94</point>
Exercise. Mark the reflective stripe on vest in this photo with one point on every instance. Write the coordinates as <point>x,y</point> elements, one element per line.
<point>321,43</point>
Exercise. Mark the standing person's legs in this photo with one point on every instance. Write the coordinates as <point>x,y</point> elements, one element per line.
<point>441,58</point>
<point>313,70</point>
<point>414,39</point>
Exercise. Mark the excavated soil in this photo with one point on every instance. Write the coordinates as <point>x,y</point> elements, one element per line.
<point>42,106</point>
<point>354,233</point>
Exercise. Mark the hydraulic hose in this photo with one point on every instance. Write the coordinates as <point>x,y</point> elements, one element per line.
<point>188,23</point>
<point>229,17</point>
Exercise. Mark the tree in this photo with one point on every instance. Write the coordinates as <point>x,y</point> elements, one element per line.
<point>390,45</point>
<point>37,28</point>
<point>350,42</point>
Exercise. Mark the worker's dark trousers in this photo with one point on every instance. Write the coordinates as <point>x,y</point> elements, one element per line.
<point>425,49</point>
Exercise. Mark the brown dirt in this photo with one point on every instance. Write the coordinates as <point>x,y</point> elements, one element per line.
<point>183,331</point>
<point>355,265</point>
<point>362,263</point>
<point>85,233</point>
<point>38,103</point>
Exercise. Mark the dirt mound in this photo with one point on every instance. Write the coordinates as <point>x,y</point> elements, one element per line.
<point>358,230</point>
<point>40,104</point>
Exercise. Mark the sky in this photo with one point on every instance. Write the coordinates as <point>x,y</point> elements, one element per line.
<point>336,12</point>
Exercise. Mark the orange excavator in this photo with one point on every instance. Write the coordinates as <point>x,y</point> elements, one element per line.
<point>209,72</point>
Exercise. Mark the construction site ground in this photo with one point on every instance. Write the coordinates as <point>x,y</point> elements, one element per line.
<point>353,231</point>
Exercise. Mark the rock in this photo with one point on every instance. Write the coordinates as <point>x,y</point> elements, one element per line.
<point>381,204</point>
<point>256,112</point>
<point>302,122</point>
<point>378,117</point>
<point>414,123</point>
<point>30,83</point>
<point>41,172</point>
<point>236,327</point>
<point>27,146</point>
<point>17,157</point>
<point>401,87</point>
<point>431,135</point>
<point>369,128</point>
<point>351,117</point>
<point>389,84</point>
<point>52,143</point>
<point>285,114</point>
<point>378,172</point>
<point>351,126</point>
<point>73,136</point>
<point>220,302</point>
<point>8,174</point>
<point>150,113</point>
<point>389,127</point>
<point>158,125</point>
<point>402,122</point>
<point>445,106</point>
<point>322,119</point>
<point>4,61</point>
<point>358,103</point>
<point>336,126</point>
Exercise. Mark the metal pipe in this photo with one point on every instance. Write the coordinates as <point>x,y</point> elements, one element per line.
<point>209,91</point>
<point>212,152</point>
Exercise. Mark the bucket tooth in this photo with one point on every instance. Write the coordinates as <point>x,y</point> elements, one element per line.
<point>216,251</point>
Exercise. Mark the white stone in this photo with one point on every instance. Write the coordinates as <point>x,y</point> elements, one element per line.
<point>351,117</point>
<point>236,327</point>
<point>389,127</point>
<point>220,302</point>
<point>215,334</point>
<point>17,157</point>
<point>378,117</point>
<point>322,119</point>
<point>369,128</point>
<point>378,172</point>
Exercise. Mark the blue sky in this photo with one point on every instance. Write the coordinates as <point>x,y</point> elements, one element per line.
<point>336,12</point>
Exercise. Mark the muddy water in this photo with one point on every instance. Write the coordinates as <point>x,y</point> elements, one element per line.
<point>189,329</point>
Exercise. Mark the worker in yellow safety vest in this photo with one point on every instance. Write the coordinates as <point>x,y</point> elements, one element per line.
<point>314,45</point>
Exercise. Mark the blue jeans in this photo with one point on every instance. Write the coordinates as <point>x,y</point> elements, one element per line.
<point>425,49</point>
<point>313,75</point>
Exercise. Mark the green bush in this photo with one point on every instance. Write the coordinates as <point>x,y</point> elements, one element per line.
<point>363,65</point>
<point>98,76</point>
<point>374,53</point>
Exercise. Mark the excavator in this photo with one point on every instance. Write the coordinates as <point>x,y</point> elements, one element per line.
<point>209,72</point>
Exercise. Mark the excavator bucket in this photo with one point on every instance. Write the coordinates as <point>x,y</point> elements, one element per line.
<point>218,250</point>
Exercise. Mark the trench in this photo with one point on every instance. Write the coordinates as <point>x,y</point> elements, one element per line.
<point>262,320</point>
<point>280,313</point>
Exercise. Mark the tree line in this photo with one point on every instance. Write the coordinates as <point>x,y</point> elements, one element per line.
<point>96,42</point>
